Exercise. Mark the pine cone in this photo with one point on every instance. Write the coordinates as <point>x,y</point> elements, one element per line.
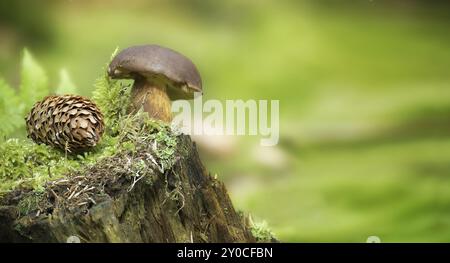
<point>68,122</point>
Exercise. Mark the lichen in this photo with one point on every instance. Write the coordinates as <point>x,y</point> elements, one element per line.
<point>260,229</point>
<point>262,232</point>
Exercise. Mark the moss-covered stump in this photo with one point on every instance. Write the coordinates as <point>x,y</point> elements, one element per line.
<point>128,197</point>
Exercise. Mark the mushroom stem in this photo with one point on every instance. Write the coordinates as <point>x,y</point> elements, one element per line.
<point>153,98</point>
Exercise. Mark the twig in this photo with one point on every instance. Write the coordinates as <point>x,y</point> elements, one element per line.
<point>134,182</point>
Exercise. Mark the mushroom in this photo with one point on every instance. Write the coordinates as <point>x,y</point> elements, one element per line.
<point>160,75</point>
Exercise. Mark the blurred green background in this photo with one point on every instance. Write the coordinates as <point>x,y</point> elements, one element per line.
<point>364,90</point>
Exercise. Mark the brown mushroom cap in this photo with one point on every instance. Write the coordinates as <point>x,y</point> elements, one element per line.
<point>158,64</point>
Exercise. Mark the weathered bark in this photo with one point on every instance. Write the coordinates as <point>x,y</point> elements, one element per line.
<point>184,204</point>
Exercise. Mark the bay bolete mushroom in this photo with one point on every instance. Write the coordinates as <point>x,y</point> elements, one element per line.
<point>160,75</point>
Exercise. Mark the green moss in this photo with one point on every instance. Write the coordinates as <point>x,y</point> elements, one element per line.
<point>26,164</point>
<point>30,202</point>
<point>30,165</point>
<point>111,96</point>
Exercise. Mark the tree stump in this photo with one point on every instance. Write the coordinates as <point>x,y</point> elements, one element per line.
<point>182,204</point>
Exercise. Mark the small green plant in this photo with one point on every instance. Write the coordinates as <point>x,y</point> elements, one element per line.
<point>66,85</point>
<point>15,103</point>
<point>34,82</point>
<point>111,96</point>
<point>10,116</point>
